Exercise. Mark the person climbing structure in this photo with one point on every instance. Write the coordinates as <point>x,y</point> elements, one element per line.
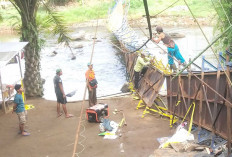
<point>173,50</point>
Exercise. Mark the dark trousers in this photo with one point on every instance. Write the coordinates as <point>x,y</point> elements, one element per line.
<point>137,75</point>
<point>92,97</point>
<point>136,81</point>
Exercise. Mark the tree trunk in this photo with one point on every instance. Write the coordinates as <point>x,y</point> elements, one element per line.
<point>32,78</point>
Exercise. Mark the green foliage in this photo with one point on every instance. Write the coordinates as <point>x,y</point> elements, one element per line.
<point>1,19</point>
<point>58,26</point>
<point>224,18</point>
<point>85,13</point>
<point>135,4</point>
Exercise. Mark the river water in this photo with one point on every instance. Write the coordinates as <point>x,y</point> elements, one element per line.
<point>108,63</point>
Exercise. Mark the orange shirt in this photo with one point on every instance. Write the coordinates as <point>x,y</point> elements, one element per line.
<point>90,75</point>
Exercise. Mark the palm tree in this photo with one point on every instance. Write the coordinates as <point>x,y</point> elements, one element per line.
<point>32,78</point>
<point>29,32</point>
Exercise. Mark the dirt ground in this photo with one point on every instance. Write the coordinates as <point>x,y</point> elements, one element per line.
<point>55,137</point>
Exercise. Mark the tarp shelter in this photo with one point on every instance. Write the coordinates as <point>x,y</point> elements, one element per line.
<point>9,50</point>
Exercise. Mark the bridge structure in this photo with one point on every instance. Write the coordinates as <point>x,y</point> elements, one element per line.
<point>202,97</point>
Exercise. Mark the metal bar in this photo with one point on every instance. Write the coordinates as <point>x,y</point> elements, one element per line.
<point>148,17</point>
<point>189,91</point>
<point>181,90</point>
<point>197,66</point>
<point>225,93</point>
<point>229,103</point>
<point>216,96</point>
<point>178,91</point>
<point>210,113</point>
<point>228,107</point>
<point>201,100</point>
<point>210,64</point>
<point>229,129</point>
<point>171,90</point>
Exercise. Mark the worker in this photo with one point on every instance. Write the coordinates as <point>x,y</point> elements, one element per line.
<point>140,67</point>
<point>172,48</point>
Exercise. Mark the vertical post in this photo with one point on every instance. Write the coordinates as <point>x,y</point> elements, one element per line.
<point>201,98</point>
<point>3,100</point>
<point>189,91</point>
<point>171,92</point>
<point>178,93</point>
<point>228,107</point>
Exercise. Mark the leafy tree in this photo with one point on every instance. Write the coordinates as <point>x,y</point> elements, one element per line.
<point>29,32</point>
<point>224,10</point>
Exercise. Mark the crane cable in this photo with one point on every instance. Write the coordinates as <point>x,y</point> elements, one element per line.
<point>208,41</point>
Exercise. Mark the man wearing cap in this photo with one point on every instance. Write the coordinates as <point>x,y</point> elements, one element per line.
<point>19,108</point>
<point>140,67</point>
<point>91,83</point>
<point>172,48</point>
<point>60,95</point>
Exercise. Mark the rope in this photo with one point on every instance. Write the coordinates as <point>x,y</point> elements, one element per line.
<point>83,102</point>
<point>202,51</point>
<point>165,8</point>
<point>208,41</point>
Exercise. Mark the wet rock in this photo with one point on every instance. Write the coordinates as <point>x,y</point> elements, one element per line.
<point>77,45</point>
<point>177,35</point>
<point>43,81</point>
<point>52,54</point>
<point>79,36</point>
<point>125,88</point>
<point>73,58</point>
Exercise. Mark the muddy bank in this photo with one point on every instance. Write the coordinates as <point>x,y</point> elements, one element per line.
<point>52,136</point>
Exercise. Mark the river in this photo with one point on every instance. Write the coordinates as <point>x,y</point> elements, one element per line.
<point>108,63</point>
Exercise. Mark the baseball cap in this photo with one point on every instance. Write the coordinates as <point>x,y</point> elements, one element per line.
<point>89,64</point>
<point>17,86</point>
<point>58,70</point>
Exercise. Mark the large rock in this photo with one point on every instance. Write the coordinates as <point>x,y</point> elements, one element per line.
<point>79,36</point>
<point>125,88</point>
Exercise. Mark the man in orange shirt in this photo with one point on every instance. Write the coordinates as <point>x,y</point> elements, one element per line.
<point>91,83</point>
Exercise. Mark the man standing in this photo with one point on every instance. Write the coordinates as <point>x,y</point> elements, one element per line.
<point>172,48</point>
<point>60,95</point>
<point>140,66</point>
<point>91,83</point>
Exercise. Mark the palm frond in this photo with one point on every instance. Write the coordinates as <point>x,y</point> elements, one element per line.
<point>59,28</point>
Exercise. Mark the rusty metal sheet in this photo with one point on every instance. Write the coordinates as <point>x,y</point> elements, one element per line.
<point>221,109</point>
<point>150,85</point>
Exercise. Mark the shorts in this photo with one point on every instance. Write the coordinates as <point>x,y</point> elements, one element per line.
<point>61,99</point>
<point>22,117</point>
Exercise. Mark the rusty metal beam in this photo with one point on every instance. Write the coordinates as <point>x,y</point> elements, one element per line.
<point>206,100</point>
